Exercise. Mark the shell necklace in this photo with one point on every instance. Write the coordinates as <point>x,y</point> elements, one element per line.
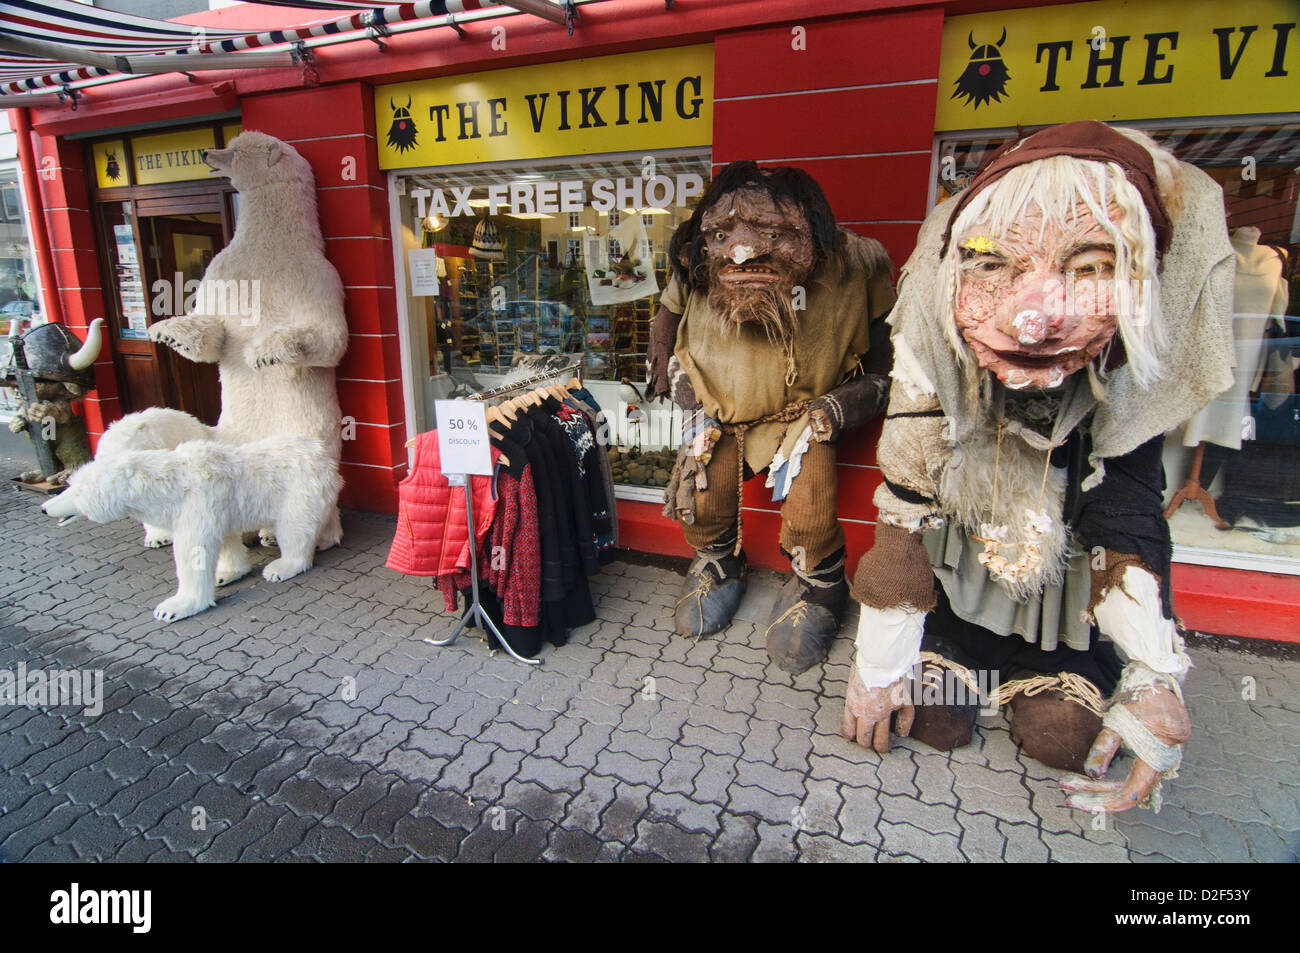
<point>995,537</point>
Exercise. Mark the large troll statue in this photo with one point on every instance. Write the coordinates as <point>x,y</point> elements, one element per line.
<point>1062,313</point>
<point>768,321</point>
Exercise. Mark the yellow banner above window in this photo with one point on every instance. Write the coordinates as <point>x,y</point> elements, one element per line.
<point>112,170</point>
<point>1118,60</point>
<point>172,156</point>
<point>654,100</point>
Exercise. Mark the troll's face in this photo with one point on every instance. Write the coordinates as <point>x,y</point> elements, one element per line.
<point>1038,302</point>
<point>757,250</point>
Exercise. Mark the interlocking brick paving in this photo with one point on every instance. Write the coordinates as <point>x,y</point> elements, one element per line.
<point>307,720</point>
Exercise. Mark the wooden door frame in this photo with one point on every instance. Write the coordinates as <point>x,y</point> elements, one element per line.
<point>188,198</point>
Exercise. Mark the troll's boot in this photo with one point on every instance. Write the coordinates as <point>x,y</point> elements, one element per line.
<point>715,582</point>
<point>807,615</point>
<point>946,705</point>
<point>1054,726</point>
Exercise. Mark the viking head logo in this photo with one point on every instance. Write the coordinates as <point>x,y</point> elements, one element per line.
<point>111,168</point>
<point>985,76</point>
<point>401,133</point>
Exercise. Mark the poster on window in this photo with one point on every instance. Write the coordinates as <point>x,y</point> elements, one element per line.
<point>619,264</point>
<point>130,285</point>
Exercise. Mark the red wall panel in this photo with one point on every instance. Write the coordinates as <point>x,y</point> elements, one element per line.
<point>846,51</point>
<point>833,123</point>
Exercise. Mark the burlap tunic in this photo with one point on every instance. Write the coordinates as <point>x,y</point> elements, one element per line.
<point>740,376</point>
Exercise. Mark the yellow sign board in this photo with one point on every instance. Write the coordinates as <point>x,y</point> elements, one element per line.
<point>112,169</point>
<point>1119,60</point>
<point>627,102</point>
<point>172,156</point>
<point>229,132</point>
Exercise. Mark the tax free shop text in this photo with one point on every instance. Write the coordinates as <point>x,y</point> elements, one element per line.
<point>534,197</point>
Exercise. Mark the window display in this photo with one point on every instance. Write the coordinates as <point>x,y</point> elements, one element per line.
<point>562,259</point>
<point>1232,493</point>
<point>17,284</point>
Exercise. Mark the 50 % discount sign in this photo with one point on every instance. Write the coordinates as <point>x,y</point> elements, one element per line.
<point>463,441</point>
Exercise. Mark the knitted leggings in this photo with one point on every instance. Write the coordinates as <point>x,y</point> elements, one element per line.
<point>808,516</point>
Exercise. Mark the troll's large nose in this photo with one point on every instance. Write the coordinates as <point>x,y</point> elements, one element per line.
<point>1035,311</point>
<point>746,244</point>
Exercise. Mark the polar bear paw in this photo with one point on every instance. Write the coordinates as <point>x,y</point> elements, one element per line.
<point>180,607</point>
<point>228,572</point>
<point>278,570</point>
<point>184,339</point>
<point>266,537</point>
<point>155,537</point>
<point>282,346</point>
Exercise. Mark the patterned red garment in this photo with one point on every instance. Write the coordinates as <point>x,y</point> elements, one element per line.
<point>516,567</point>
<point>512,563</point>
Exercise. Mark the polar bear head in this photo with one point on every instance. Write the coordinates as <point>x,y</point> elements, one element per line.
<point>136,484</point>
<point>254,159</point>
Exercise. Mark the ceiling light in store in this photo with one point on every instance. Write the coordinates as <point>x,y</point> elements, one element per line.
<point>433,223</point>
<point>529,215</point>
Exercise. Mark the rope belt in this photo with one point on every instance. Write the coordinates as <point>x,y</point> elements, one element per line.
<point>960,671</point>
<point>786,415</point>
<point>1074,687</point>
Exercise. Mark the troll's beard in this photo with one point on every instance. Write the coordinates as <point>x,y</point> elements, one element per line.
<point>770,308</point>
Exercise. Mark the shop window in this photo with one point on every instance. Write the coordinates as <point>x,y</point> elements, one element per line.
<point>18,299</point>
<point>1242,451</point>
<point>9,204</point>
<point>552,262</point>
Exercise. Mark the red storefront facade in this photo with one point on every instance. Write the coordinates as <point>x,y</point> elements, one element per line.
<point>846,89</point>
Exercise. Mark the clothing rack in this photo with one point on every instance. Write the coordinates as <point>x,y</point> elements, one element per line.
<point>475,609</point>
<point>574,369</point>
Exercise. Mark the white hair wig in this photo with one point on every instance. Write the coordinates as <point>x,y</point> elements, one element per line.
<point>1056,187</point>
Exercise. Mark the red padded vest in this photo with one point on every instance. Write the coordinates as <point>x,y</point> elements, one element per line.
<point>431,537</point>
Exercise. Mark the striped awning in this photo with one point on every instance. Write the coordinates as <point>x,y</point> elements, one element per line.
<point>95,42</point>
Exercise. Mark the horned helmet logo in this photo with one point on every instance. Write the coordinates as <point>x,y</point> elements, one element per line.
<point>985,76</point>
<point>111,168</point>
<point>401,132</point>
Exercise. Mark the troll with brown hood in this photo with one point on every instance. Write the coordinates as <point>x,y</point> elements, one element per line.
<point>1055,320</point>
<point>769,338</point>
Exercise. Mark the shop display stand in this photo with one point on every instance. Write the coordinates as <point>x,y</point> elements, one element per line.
<point>475,612</point>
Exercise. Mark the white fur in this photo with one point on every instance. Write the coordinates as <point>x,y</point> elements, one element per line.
<point>206,491</point>
<point>157,428</point>
<point>277,367</point>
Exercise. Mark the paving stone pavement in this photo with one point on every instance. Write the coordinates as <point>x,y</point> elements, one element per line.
<point>307,720</point>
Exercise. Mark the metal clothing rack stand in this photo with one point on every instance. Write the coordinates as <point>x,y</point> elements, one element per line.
<point>475,612</point>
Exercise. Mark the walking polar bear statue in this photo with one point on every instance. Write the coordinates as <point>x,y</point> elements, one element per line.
<point>207,492</point>
<point>269,312</point>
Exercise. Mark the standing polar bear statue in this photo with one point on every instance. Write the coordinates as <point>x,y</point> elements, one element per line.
<point>269,312</point>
